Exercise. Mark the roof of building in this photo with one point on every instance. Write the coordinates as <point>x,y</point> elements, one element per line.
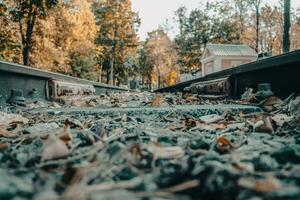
<point>231,50</point>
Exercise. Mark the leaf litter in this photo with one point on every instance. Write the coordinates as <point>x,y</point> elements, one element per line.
<point>151,156</point>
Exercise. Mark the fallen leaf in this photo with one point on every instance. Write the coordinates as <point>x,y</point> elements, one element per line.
<point>157,101</point>
<point>269,184</point>
<point>176,126</point>
<point>8,134</point>
<point>223,144</point>
<point>4,146</point>
<point>265,126</point>
<point>65,134</point>
<point>54,148</point>
<point>6,119</point>
<point>263,129</point>
<point>204,126</point>
<point>271,104</point>
<point>54,105</point>
<point>165,152</point>
<point>248,95</point>
<point>90,139</point>
<point>192,99</point>
<point>74,123</point>
<point>219,126</point>
<point>210,118</point>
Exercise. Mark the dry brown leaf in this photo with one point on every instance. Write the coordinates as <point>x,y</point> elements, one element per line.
<point>54,148</point>
<point>90,139</point>
<point>4,146</point>
<point>74,123</point>
<point>192,99</point>
<point>157,101</point>
<point>256,118</point>
<point>208,119</point>
<point>177,126</point>
<point>65,134</point>
<point>183,186</point>
<point>165,152</point>
<point>54,105</point>
<point>248,95</point>
<point>269,184</point>
<point>271,104</point>
<point>265,127</point>
<point>223,144</point>
<point>8,134</point>
<point>219,126</point>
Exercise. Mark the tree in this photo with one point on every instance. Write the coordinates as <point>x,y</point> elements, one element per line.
<point>256,4</point>
<point>208,23</point>
<point>241,7</point>
<point>145,69</point>
<point>9,40</point>
<point>117,35</point>
<point>271,29</point>
<point>64,40</point>
<point>195,31</point>
<point>286,27</point>
<point>161,58</point>
<point>26,12</point>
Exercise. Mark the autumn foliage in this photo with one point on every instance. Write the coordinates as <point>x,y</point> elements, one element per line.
<point>161,58</point>
<point>98,40</point>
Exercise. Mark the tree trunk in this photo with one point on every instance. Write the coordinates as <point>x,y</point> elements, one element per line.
<point>257,28</point>
<point>25,54</point>
<point>27,38</point>
<point>286,27</point>
<point>100,73</point>
<point>111,74</point>
<point>158,79</point>
<point>107,76</point>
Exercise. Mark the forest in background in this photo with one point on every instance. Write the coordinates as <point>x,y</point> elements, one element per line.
<point>98,40</point>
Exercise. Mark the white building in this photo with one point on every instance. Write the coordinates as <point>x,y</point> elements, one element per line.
<point>217,57</point>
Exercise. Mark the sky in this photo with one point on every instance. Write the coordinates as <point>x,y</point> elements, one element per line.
<point>155,12</point>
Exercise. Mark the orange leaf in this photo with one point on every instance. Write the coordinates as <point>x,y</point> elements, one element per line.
<point>156,102</point>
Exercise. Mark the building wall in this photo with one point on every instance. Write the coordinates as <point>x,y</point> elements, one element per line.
<point>219,63</point>
<point>208,67</point>
<point>228,63</point>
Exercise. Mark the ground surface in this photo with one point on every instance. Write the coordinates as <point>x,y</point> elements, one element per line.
<point>160,150</point>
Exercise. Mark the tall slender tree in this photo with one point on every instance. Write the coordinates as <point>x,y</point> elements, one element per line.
<point>286,26</point>
<point>161,58</point>
<point>256,5</point>
<point>117,35</point>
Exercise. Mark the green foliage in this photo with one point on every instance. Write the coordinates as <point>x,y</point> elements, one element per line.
<point>209,23</point>
<point>117,35</point>
<point>83,65</point>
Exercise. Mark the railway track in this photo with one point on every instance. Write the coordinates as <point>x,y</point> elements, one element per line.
<point>282,72</point>
<point>134,146</point>
<point>20,83</point>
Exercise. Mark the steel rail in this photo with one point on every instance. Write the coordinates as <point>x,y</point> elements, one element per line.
<point>32,84</point>
<point>282,72</point>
